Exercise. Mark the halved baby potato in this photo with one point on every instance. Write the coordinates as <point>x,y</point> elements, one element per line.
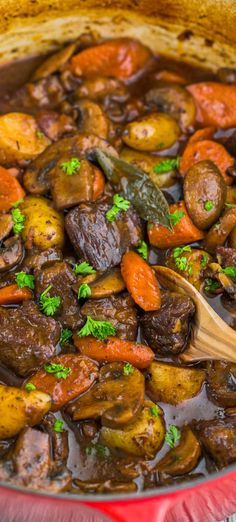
<point>43,226</point>
<point>173,384</point>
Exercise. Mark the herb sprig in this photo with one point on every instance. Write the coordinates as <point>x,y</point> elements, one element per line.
<point>142,249</point>
<point>71,167</point>
<point>23,279</point>
<point>99,329</point>
<point>166,165</point>
<point>49,305</point>
<point>119,204</point>
<point>128,369</point>
<point>58,426</point>
<point>229,271</point>
<point>30,386</point>
<point>84,269</point>
<point>172,435</point>
<point>176,217</point>
<point>60,371</point>
<point>18,220</point>
<point>66,336</point>
<point>84,291</point>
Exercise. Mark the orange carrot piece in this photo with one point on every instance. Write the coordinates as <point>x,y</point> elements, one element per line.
<point>207,150</point>
<point>115,349</point>
<point>12,294</point>
<point>98,183</point>
<point>202,134</point>
<point>81,377</point>
<point>216,103</point>
<point>141,282</point>
<point>183,232</point>
<point>119,58</point>
<point>10,190</point>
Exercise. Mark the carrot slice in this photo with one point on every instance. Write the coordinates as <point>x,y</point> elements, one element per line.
<point>202,134</point>
<point>10,190</point>
<point>115,349</point>
<point>216,103</point>
<point>98,183</point>
<point>120,58</point>
<point>183,232</point>
<point>207,150</point>
<point>81,376</point>
<point>141,282</point>
<point>12,294</point>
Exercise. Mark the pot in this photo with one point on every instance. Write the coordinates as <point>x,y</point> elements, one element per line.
<point>199,33</point>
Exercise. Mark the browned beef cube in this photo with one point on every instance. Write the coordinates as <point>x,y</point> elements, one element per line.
<point>219,439</point>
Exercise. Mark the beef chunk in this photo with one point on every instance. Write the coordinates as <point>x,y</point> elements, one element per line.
<point>27,338</point>
<point>167,330</point>
<point>97,240</point>
<point>219,439</point>
<point>119,310</point>
<point>221,378</point>
<point>31,464</point>
<point>61,277</point>
<point>226,256</point>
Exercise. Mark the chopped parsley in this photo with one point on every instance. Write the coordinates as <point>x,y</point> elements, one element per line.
<point>71,167</point>
<point>229,271</point>
<point>176,217</point>
<point>154,410</point>
<point>178,251</point>
<point>84,291</point>
<point>24,279</point>
<point>208,205</point>
<point>166,165</point>
<point>183,264</point>
<point>143,249</point>
<point>18,220</point>
<point>119,204</point>
<point>172,435</point>
<point>30,386</point>
<point>49,305</point>
<point>97,450</point>
<point>60,371</point>
<point>17,203</point>
<point>58,426</point>
<point>204,260</point>
<point>40,134</point>
<point>99,329</point>
<point>128,369</point>
<point>84,269</point>
<point>66,335</point>
<point>211,285</point>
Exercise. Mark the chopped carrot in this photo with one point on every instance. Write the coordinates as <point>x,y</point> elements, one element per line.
<point>115,349</point>
<point>120,58</point>
<point>207,150</point>
<point>141,282</point>
<point>202,134</point>
<point>98,183</point>
<point>79,374</point>
<point>216,103</point>
<point>12,294</point>
<point>183,232</point>
<point>10,190</point>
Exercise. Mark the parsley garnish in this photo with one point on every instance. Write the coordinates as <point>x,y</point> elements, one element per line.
<point>172,435</point>
<point>49,305</point>
<point>119,204</point>
<point>84,291</point>
<point>204,260</point>
<point>24,279</point>
<point>178,251</point>
<point>166,165</point>
<point>60,371</point>
<point>183,264</point>
<point>66,335</point>
<point>17,203</point>
<point>229,271</point>
<point>40,134</point>
<point>58,426</point>
<point>97,450</point>
<point>30,386</point>
<point>128,369</point>
<point>84,269</point>
<point>211,285</point>
<point>154,410</point>
<point>142,249</point>
<point>208,205</point>
<point>176,217</point>
<point>99,329</point>
<point>18,220</point>
<point>70,167</point>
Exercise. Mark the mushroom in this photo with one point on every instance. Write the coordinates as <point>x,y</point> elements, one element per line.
<point>11,253</point>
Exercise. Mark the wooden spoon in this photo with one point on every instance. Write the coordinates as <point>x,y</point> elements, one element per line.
<point>211,337</point>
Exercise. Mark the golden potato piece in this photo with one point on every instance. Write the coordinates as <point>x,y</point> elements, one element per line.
<point>184,457</point>
<point>20,408</point>
<point>43,226</point>
<point>20,138</point>
<point>143,437</point>
<point>156,131</point>
<point>173,384</point>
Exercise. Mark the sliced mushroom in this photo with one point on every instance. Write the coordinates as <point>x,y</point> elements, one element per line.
<point>107,486</point>
<point>174,100</point>
<point>93,119</point>
<point>5,225</point>
<point>184,457</point>
<point>111,399</point>
<point>221,379</point>
<point>219,232</point>
<point>100,87</point>
<point>11,254</point>
<point>104,285</point>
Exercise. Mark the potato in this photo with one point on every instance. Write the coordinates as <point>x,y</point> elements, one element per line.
<point>184,457</point>
<point>44,226</point>
<point>143,437</point>
<point>20,138</point>
<point>156,131</point>
<point>204,193</point>
<point>147,162</point>
<point>20,408</point>
<point>173,384</point>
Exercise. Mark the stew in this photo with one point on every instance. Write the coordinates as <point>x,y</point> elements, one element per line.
<point>113,160</point>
